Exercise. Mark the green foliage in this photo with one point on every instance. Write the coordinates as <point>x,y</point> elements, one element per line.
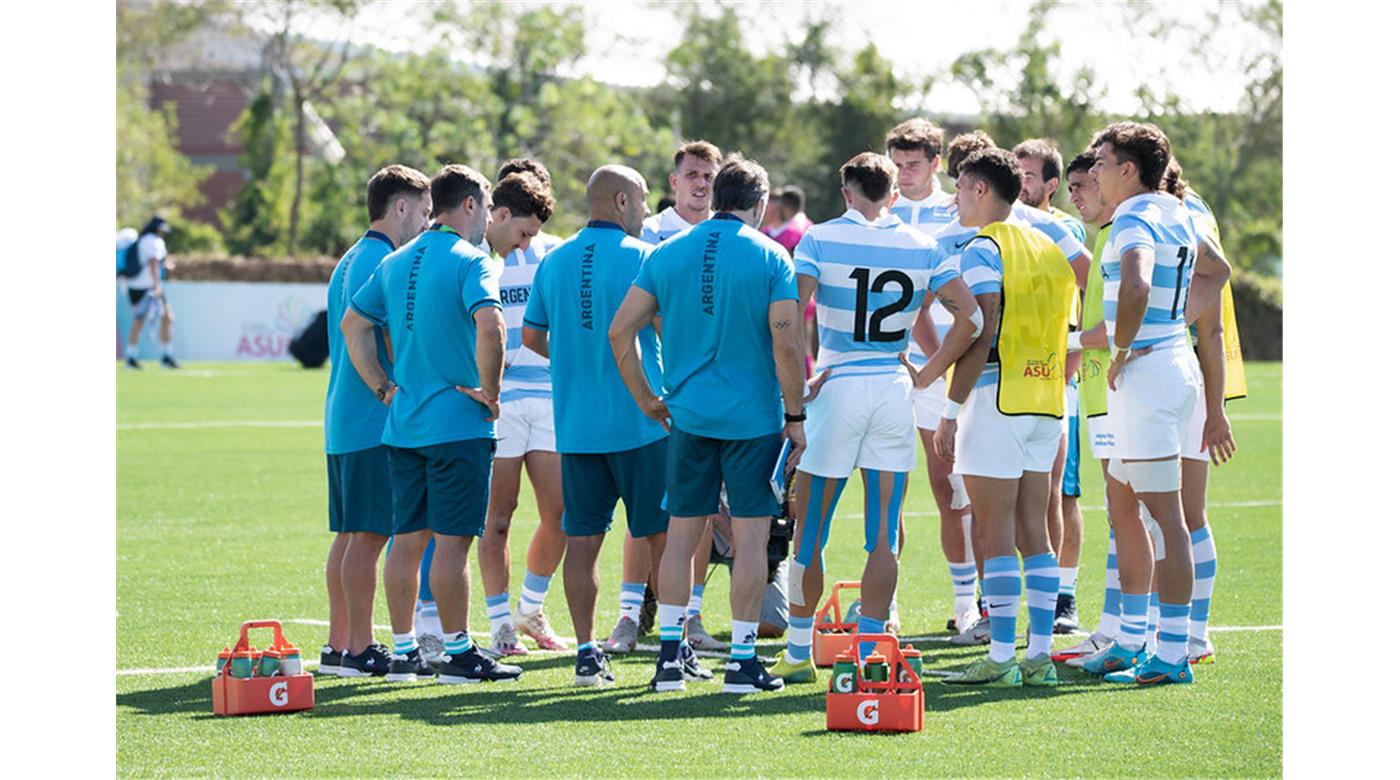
<point>152,176</point>
<point>188,237</point>
<point>257,218</point>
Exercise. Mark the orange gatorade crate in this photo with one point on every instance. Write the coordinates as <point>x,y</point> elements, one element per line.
<point>247,684</point>
<point>895,703</point>
<point>830,636</point>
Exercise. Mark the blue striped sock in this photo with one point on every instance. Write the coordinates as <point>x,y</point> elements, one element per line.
<point>964,577</point>
<point>670,622</point>
<point>1154,622</point>
<point>799,645</point>
<point>1003,581</point>
<point>742,639</point>
<point>868,625</point>
<point>1171,645</point>
<point>458,643</point>
<point>405,643</point>
<point>697,597</point>
<point>1132,628</point>
<point>630,601</point>
<point>1203,553</point>
<point>1042,589</point>
<point>586,647</point>
<point>498,609</point>
<point>533,591</point>
<point>1112,596</point>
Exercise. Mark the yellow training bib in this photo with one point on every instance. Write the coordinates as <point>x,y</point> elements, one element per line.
<point>1037,298</point>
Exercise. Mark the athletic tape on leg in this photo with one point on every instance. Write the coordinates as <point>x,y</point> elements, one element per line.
<point>816,527</point>
<point>890,513</point>
<point>1150,476</point>
<point>1159,541</point>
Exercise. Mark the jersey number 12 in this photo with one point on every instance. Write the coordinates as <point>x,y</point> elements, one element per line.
<point>873,331</point>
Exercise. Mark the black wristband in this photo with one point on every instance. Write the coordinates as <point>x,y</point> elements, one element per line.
<point>792,418</point>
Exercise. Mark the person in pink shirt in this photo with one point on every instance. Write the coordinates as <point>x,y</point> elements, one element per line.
<point>794,220</point>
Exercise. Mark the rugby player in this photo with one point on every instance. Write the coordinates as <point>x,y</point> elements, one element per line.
<point>526,426</point>
<point>869,272</point>
<point>733,362</point>
<point>916,148</point>
<point>1158,276</point>
<point>1006,436</point>
<point>357,464</point>
<point>610,449</point>
<point>694,167</point>
<point>1042,164</point>
<point>439,298</point>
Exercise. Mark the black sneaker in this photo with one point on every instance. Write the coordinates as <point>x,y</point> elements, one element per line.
<point>670,676</point>
<point>1066,614</point>
<point>749,676</point>
<point>592,670</point>
<point>648,617</point>
<point>952,624</point>
<point>373,662</point>
<point>330,661</point>
<point>169,362</point>
<point>410,667</point>
<point>132,362</point>
<point>473,667</point>
<point>690,666</point>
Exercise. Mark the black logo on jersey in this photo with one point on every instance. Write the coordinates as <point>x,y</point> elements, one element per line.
<point>412,294</point>
<point>585,288</point>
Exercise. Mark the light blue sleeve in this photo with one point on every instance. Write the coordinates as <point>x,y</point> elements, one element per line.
<point>536,314</point>
<point>981,266</point>
<point>806,256</point>
<point>646,275</point>
<point>369,302</point>
<point>944,269</point>
<point>1130,232</point>
<point>782,278</point>
<point>481,285</point>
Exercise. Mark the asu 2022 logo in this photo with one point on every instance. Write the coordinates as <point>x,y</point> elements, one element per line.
<point>1043,369</point>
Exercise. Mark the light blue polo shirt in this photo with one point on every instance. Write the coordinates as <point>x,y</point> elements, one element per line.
<point>714,284</point>
<point>354,417</point>
<point>426,294</point>
<point>578,288</point>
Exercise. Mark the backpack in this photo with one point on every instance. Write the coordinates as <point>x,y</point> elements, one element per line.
<point>128,258</point>
<point>311,347</point>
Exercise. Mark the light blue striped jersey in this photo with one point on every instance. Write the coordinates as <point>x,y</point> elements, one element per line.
<point>871,279</point>
<point>1075,226</point>
<point>527,372</point>
<point>932,215</point>
<point>982,272</point>
<point>659,227</point>
<point>1165,227</point>
<point>1053,228</point>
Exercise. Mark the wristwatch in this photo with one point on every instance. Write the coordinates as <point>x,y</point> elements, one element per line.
<point>384,389</point>
<point>792,418</point>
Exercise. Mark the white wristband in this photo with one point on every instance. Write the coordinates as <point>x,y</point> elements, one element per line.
<point>1117,350</point>
<point>950,412</point>
<point>1075,338</point>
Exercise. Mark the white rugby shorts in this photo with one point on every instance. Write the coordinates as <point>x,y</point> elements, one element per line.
<point>1150,414</point>
<point>861,422</point>
<point>525,425</point>
<point>929,404</point>
<point>992,444</point>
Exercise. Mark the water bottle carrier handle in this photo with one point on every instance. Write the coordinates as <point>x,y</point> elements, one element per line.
<point>278,641</point>
<point>830,616</point>
<point>887,644</point>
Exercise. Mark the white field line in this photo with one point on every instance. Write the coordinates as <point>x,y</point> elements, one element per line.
<point>311,664</point>
<point>219,424</point>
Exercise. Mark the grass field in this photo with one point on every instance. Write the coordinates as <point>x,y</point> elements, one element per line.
<point>221,518</point>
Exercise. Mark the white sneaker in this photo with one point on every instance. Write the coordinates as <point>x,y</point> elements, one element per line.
<point>699,638</point>
<point>979,634</point>
<point>504,642</point>
<point>624,637</point>
<point>967,619</point>
<point>433,648</point>
<point>1088,647</point>
<point>1201,652</point>
<point>1078,661</point>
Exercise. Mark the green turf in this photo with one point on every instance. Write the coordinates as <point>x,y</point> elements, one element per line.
<point>217,525</point>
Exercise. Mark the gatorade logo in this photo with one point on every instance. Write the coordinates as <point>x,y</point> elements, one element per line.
<point>277,694</point>
<point>844,682</point>
<point>868,712</point>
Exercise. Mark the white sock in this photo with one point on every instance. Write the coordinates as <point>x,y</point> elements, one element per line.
<point>165,348</point>
<point>133,350</point>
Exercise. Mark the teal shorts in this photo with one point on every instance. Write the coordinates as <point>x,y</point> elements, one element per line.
<point>442,487</point>
<point>593,483</point>
<point>696,466</point>
<point>361,499</point>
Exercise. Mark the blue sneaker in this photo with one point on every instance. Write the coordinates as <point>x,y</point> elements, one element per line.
<point>1115,660</point>
<point>1154,671</point>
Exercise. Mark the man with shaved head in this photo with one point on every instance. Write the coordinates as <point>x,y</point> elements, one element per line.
<point>609,448</point>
